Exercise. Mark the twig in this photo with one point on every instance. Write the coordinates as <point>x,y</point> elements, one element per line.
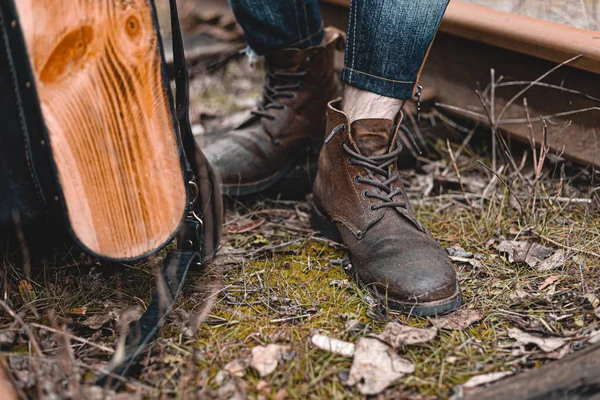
<point>72,337</point>
<point>266,248</point>
<point>36,347</point>
<point>491,114</point>
<point>496,134</point>
<point>293,317</point>
<point>477,115</point>
<point>548,85</point>
<point>550,116</point>
<point>564,246</point>
<point>461,148</point>
<point>448,121</point>
<point>460,182</point>
<point>503,182</point>
<point>67,358</point>
<point>33,342</point>
<point>524,90</point>
<point>531,135</point>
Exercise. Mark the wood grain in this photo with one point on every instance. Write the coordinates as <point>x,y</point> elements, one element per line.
<point>98,75</point>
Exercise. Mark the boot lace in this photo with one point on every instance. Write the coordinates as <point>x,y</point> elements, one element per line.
<point>381,178</point>
<point>278,85</point>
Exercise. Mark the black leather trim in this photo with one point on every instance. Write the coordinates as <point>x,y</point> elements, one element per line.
<point>175,269</point>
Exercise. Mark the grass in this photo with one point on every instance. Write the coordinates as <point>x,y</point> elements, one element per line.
<point>286,294</point>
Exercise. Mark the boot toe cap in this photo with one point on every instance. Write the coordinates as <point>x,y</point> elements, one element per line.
<point>412,284</point>
<point>415,274</point>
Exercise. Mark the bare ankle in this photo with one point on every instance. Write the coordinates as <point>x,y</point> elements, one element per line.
<point>360,104</point>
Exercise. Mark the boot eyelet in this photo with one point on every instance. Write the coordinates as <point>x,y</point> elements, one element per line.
<point>365,193</point>
<point>356,178</point>
<point>371,208</point>
<point>359,233</point>
<point>276,142</point>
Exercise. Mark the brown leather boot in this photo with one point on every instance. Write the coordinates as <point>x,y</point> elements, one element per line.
<point>359,199</point>
<point>290,118</point>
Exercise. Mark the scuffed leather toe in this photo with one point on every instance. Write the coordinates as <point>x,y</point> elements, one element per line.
<point>412,268</point>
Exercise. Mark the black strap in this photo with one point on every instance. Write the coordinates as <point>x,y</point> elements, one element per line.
<point>178,262</point>
<point>182,92</point>
<point>173,274</point>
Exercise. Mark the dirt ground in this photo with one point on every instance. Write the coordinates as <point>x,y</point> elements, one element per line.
<point>524,238</point>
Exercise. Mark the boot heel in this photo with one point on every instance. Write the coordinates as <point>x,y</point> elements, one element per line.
<point>324,225</point>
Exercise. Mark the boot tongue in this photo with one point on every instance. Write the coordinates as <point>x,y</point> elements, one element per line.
<point>372,136</point>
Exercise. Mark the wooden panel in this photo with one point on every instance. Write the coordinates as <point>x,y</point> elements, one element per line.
<point>575,377</point>
<point>98,74</point>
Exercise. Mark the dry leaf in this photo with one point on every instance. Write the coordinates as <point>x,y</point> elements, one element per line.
<point>397,335</point>
<point>340,283</point>
<point>556,260</point>
<point>458,320</point>
<point>457,251</point>
<point>265,359</point>
<point>479,380</point>
<point>220,377</point>
<point>98,320</point>
<point>333,345</point>
<point>553,355</point>
<point>263,387</point>
<point>594,337</point>
<point>528,252</point>
<point>547,344</point>
<point>78,311</point>
<point>549,281</point>
<point>247,227</point>
<point>518,295</point>
<point>594,301</point>
<point>235,368</point>
<point>451,359</point>
<point>7,336</point>
<point>376,366</point>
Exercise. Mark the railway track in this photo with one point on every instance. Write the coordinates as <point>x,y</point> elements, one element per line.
<point>475,40</point>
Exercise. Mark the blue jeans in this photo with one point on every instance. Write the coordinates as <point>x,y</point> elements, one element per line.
<point>388,40</point>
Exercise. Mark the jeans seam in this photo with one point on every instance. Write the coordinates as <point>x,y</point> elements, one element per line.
<point>354,3</point>
<point>309,37</point>
<point>306,19</point>
<point>298,30</point>
<point>375,76</point>
<point>347,52</point>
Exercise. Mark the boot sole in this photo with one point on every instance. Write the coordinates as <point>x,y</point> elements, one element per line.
<point>246,189</point>
<point>329,230</point>
<point>255,187</point>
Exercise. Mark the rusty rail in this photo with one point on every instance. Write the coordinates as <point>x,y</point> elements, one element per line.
<point>543,39</point>
<point>474,40</point>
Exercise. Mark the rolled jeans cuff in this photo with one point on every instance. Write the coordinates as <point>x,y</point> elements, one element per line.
<point>383,86</point>
<point>314,39</point>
